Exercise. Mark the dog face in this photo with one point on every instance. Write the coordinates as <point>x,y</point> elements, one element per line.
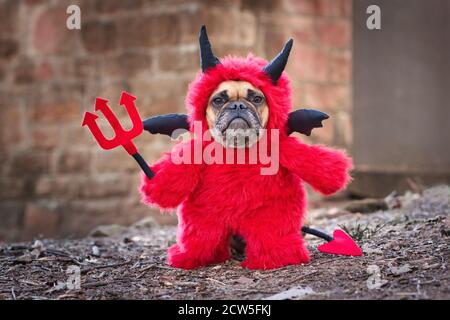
<point>236,113</point>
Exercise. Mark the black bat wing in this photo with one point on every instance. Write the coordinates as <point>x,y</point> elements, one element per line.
<point>166,123</point>
<point>304,120</point>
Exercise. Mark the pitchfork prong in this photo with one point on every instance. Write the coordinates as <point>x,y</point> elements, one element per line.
<point>121,137</point>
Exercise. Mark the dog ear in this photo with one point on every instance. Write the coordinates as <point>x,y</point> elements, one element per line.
<point>207,57</point>
<point>275,68</point>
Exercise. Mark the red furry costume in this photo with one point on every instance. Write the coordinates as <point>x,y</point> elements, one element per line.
<point>215,201</point>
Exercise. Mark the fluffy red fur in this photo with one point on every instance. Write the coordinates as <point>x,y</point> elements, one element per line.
<point>215,201</point>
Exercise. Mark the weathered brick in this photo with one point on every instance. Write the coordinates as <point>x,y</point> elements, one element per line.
<point>45,137</point>
<point>274,40</point>
<point>55,112</point>
<point>189,22</point>
<point>178,60</point>
<point>160,95</point>
<point>155,146</point>
<point>24,72</point>
<point>99,36</point>
<point>106,186</point>
<point>240,26</point>
<point>11,216</point>
<point>77,136</point>
<point>43,71</point>
<point>262,5</point>
<point>136,211</point>
<point>11,130</point>
<point>303,31</point>
<point>9,17</point>
<point>134,62</point>
<point>327,97</point>
<point>115,161</point>
<point>8,48</point>
<point>108,90</point>
<point>334,8</point>
<point>308,7</point>
<point>111,6</point>
<point>148,31</point>
<point>334,33</point>
<point>298,95</point>
<point>164,105</point>
<point>223,50</point>
<point>27,71</point>
<point>86,67</point>
<point>126,64</point>
<point>31,162</point>
<point>34,2</point>
<point>3,71</point>
<point>85,214</point>
<point>340,66</point>
<point>74,161</point>
<point>247,28</point>
<point>58,187</point>
<point>12,188</point>
<point>309,63</point>
<point>40,220</point>
<point>50,34</point>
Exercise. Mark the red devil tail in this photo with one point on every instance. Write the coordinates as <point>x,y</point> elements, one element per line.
<point>341,243</point>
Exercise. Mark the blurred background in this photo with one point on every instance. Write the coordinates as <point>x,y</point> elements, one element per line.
<point>385,90</point>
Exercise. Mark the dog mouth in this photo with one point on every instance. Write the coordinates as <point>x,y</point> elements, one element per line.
<point>237,129</point>
<point>237,123</point>
<point>239,132</point>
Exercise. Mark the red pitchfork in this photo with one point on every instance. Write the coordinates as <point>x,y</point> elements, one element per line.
<point>122,137</point>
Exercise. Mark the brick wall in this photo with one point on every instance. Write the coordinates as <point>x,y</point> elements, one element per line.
<point>55,180</point>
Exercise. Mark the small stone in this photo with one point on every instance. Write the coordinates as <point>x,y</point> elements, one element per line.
<point>127,240</point>
<point>367,249</point>
<point>148,222</point>
<point>108,231</point>
<point>367,205</point>
<point>293,293</point>
<point>38,248</point>
<point>396,271</point>
<point>95,251</point>
<point>244,280</point>
<point>25,258</point>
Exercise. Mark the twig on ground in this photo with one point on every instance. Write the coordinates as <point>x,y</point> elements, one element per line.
<point>83,271</point>
<point>95,284</point>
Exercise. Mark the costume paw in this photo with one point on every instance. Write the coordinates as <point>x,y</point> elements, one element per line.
<point>267,262</point>
<point>157,192</point>
<point>178,259</point>
<point>189,260</point>
<point>337,178</point>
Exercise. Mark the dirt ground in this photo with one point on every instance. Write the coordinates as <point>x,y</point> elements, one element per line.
<point>405,244</point>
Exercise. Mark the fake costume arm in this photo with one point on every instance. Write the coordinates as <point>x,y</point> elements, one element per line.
<point>172,182</point>
<point>326,170</point>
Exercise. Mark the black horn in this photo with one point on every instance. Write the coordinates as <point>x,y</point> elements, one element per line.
<point>275,67</point>
<point>207,57</point>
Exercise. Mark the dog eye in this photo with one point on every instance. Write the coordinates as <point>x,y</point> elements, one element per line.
<point>218,101</point>
<point>257,99</point>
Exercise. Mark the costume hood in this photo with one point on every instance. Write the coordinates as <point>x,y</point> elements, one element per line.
<point>266,76</point>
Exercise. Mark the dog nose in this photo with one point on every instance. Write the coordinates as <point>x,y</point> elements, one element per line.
<point>238,106</point>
